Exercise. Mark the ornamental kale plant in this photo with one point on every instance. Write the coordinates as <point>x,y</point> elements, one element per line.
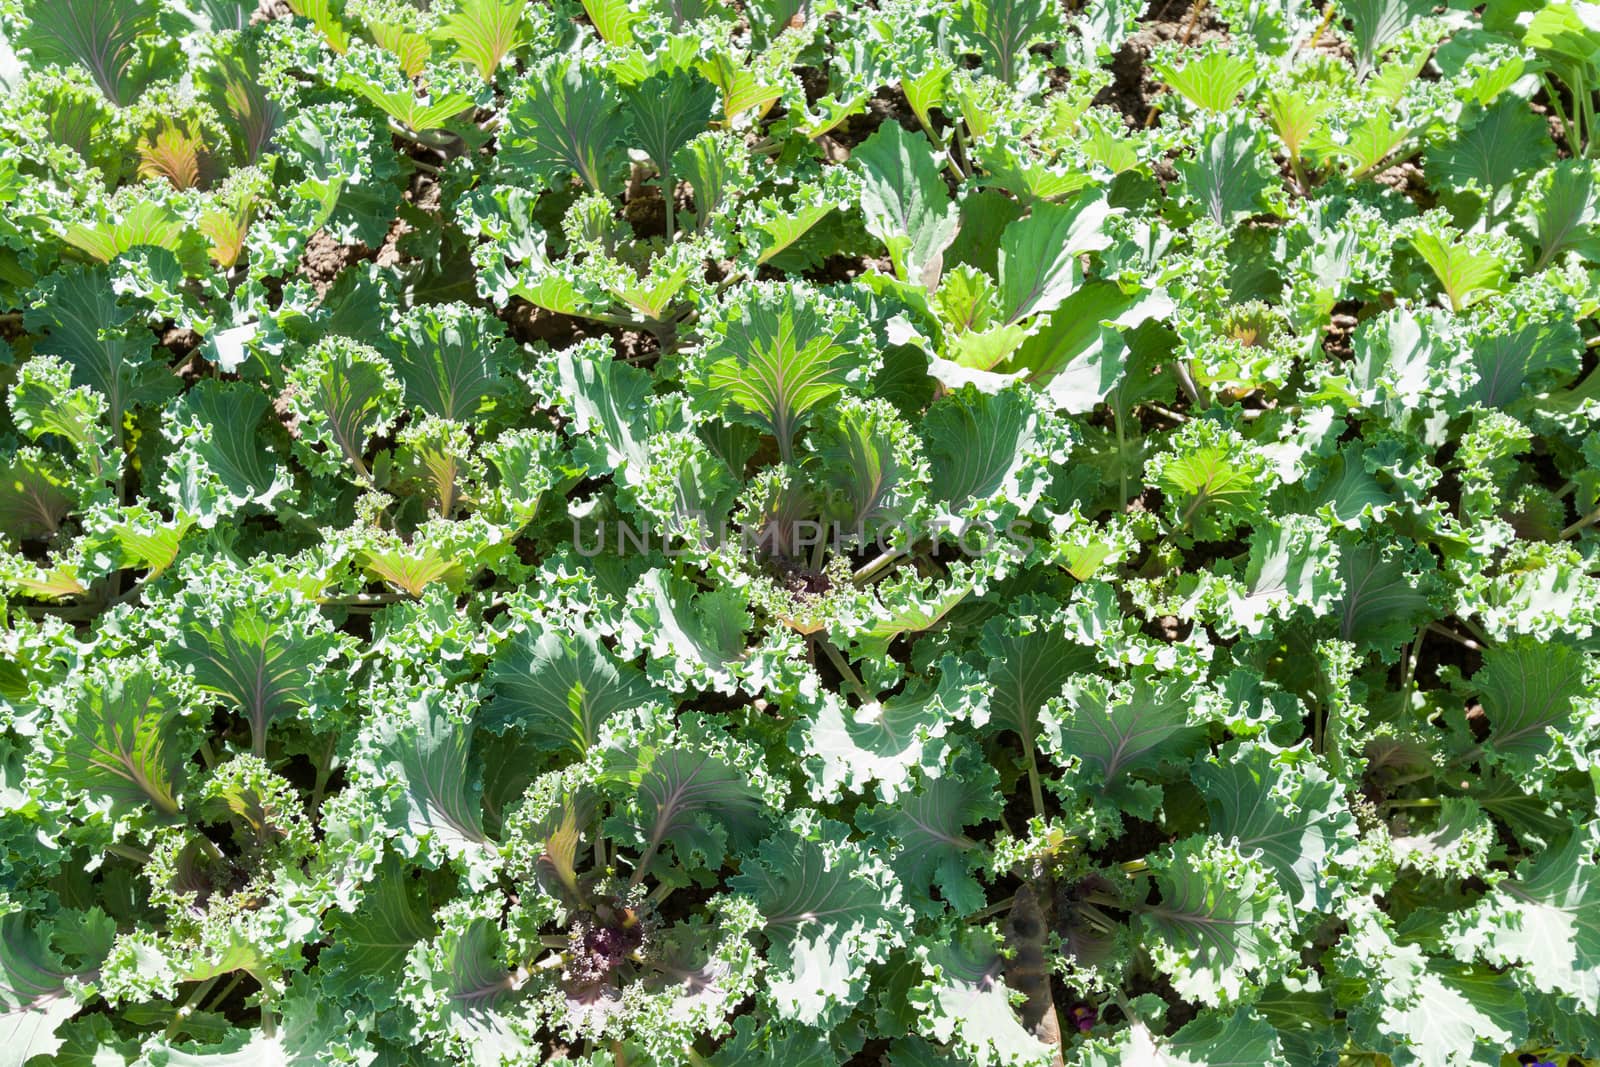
<point>799,532</point>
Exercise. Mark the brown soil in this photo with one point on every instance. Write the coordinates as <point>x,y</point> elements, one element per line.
<point>284,413</point>
<point>325,258</point>
<point>888,104</point>
<point>646,214</point>
<point>1407,179</point>
<point>271,9</point>
<point>388,253</point>
<point>180,341</point>
<point>1336,340</point>
<point>1134,90</point>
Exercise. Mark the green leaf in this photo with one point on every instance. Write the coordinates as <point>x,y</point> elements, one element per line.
<point>905,202</point>
<point>613,20</point>
<point>1492,154</point>
<point>121,739</point>
<point>774,1045</point>
<point>1229,177</point>
<point>484,33</point>
<point>987,454</point>
<point>423,756</point>
<point>1547,920</point>
<point>1001,30</point>
<point>1220,925</point>
<point>35,496</point>
<point>1567,212</point>
<point>449,357</point>
<point>1030,661</point>
<point>369,945</point>
<point>389,89</point>
<point>1377,24</point>
<point>775,354</point>
<point>346,173</point>
<point>1213,479</point>
<point>694,639</point>
<point>924,835</point>
<point>1469,270</point>
<point>33,992</point>
<point>220,461</point>
<point>1383,601</point>
<point>871,465</point>
<point>962,1000</point>
<point>1292,564</point>
<point>324,16</point>
<point>1240,1039</point>
<point>89,330</point>
<point>667,110</point>
<point>1211,81</point>
<point>1423,1010</point>
<point>558,687</point>
<point>1039,254</point>
<point>458,984</point>
<point>1515,362</point>
<point>1079,356</point>
<point>45,404</point>
<point>829,914</point>
<point>886,740</point>
<point>1455,845</point>
<point>1529,688</point>
<point>609,402</point>
<point>1290,816</point>
<point>1115,729</point>
<point>562,121</point>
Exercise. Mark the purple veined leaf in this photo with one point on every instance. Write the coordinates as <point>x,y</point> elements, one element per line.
<point>828,916</point>
<point>252,116</point>
<point>429,754</point>
<point>105,36</point>
<point>1530,689</point>
<point>1383,599</point>
<point>964,1002</point>
<point>1117,728</point>
<point>262,658</point>
<point>34,999</point>
<point>370,944</point>
<point>123,741</point>
<point>924,835</point>
<point>1221,921</point>
<point>697,803</point>
<point>345,394</point>
<point>36,496</point>
<point>1291,817</point>
<point>558,688</point>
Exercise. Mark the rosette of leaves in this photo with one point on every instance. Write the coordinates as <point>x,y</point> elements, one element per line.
<point>776,355</point>
<point>673,813</point>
